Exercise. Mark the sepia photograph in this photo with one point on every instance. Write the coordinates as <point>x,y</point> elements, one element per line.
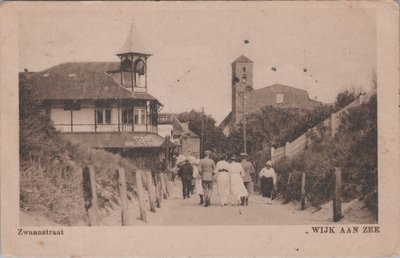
<point>198,114</point>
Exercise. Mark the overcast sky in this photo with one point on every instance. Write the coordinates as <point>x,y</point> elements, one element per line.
<point>337,46</point>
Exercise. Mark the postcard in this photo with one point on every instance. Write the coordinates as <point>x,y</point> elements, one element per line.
<point>200,128</point>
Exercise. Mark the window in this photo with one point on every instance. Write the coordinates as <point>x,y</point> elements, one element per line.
<point>279,98</point>
<point>140,116</point>
<point>127,116</point>
<point>244,69</point>
<point>140,70</point>
<point>103,116</point>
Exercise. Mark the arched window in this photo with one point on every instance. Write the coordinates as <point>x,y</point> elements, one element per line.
<point>140,71</point>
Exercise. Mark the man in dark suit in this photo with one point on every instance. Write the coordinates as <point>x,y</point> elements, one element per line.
<point>186,174</point>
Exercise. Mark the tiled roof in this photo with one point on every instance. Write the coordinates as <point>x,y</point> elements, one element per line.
<point>227,120</point>
<point>179,127</point>
<point>81,80</point>
<point>259,98</point>
<point>242,59</point>
<point>133,44</point>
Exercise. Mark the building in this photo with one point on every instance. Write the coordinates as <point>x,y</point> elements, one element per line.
<point>245,99</point>
<point>104,104</point>
<point>186,141</point>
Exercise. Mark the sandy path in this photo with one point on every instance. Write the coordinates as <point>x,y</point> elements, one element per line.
<point>179,211</point>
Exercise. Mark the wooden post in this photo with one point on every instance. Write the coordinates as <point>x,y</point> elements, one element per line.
<point>286,193</point>
<point>164,186</point>
<point>333,124</point>
<point>308,137</point>
<point>303,190</point>
<point>122,196</point>
<point>139,183</point>
<point>158,190</point>
<point>337,194</point>
<point>166,142</point>
<point>273,155</point>
<point>150,190</point>
<point>90,194</point>
<point>287,146</point>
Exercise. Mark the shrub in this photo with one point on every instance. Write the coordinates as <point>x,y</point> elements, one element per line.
<point>354,148</point>
<point>50,167</point>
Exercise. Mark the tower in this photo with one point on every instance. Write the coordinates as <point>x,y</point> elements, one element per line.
<point>242,83</point>
<point>133,58</point>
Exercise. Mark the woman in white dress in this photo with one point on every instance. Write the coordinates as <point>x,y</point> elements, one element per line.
<point>223,181</point>
<point>197,183</point>
<point>236,174</point>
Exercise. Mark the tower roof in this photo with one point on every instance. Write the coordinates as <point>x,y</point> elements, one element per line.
<point>133,44</point>
<point>242,59</point>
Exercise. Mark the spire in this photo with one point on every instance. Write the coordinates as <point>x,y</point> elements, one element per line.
<point>133,44</point>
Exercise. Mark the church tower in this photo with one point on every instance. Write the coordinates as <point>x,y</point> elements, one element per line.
<point>133,58</point>
<point>242,82</point>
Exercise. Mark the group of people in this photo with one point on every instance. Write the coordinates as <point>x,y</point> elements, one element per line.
<point>233,178</point>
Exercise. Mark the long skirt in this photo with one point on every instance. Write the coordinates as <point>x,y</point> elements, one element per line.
<point>267,184</point>
<point>223,184</point>
<point>198,186</point>
<point>237,187</point>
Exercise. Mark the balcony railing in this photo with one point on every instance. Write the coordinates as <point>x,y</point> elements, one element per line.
<point>68,128</point>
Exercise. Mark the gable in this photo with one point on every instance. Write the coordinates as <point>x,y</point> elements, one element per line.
<point>277,95</point>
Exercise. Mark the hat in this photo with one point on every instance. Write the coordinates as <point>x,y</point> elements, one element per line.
<point>196,162</point>
<point>244,154</point>
<point>269,162</point>
<point>233,157</point>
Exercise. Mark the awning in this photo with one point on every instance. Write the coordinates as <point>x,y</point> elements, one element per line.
<point>117,140</point>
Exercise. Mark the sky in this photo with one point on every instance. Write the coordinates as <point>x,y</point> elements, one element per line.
<point>337,46</point>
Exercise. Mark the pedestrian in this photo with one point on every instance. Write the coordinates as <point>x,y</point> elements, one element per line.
<point>206,169</point>
<point>268,182</point>
<point>236,174</point>
<point>197,180</point>
<point>248,173</point>
<point>223,181</point>
<point>186,174</point>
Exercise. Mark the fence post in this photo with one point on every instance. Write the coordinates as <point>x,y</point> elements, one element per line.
<point>158,190</point>
<point>139,183</point>
<point>308,136</point>
<point>90,194</point>
<point>150,190</point>
<point>287,146</point>
<point>122,195</point>
<point>333,124</point>
<point>287,190</point>
<point>361,99</point>
<point>303,190</point>
<point>272,154</point>
<point>337,194</point>
<point>164,186</point>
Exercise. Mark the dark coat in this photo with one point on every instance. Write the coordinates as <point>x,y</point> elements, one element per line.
<point>186,171</point>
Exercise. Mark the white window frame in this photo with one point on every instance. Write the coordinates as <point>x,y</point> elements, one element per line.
<point>140,112</point>
<point>104,117</point>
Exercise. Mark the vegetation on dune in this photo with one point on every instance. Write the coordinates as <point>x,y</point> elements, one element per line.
<point>354,149</point>
<point>50,168</point>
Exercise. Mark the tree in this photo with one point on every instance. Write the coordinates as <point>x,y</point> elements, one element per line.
<point>36,128</point>
<point>344,98</point>
<point>214,139</point>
